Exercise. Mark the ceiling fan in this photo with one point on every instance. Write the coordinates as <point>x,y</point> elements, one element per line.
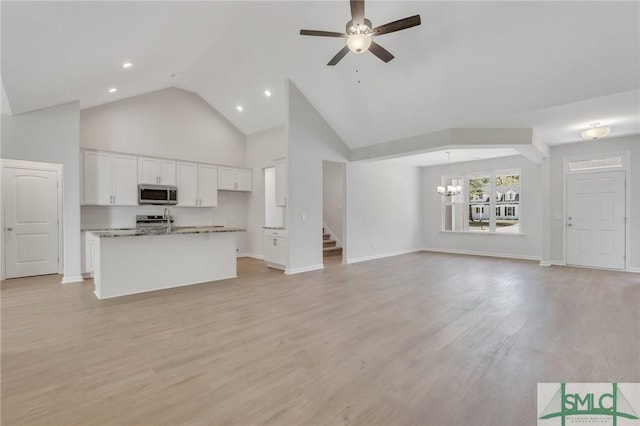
<point>360,31</point>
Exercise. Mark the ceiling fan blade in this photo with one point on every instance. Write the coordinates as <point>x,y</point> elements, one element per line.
<point>380,52</point>
<point>357,12</point>
<point>321,33</point>
<point>398,25</point>
<point>341,54</point>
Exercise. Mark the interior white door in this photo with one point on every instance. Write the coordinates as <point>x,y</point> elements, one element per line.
<point>596,219</point>
<point>30,200</point>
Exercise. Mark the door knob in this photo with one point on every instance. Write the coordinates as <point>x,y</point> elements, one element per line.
<point>568,224</point>
<point>9,228</point>
<point>569,218</point>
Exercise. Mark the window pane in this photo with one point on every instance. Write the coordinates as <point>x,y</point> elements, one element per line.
<point>479,203</point>
<point>508,202</point>
<point>454,207</point>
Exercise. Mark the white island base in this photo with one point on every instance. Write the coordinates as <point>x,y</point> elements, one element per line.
<point>140,263</point>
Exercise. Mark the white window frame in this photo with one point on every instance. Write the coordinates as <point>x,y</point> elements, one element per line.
<point>492,201</point>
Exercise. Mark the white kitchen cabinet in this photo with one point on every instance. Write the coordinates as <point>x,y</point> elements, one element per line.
<point>197,185</point>
<point>276,248</point>
<point>110,179</point>
<point>281,182</point>
<point>208,185</point>
<point>88,249</point>
<point>234,179</point>
<point>156,171</point>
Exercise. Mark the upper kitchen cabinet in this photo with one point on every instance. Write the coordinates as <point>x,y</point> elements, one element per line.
<point>110,179</point>
<point>156,171</point>
<point>281,182</point>
<point>197,185</point>
<point>234,179</point>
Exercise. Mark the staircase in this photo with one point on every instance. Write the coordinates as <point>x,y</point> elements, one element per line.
<point>329,247</point>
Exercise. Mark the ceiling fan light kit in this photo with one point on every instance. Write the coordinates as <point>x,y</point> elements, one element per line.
<point>359,43</point>
<point>359,33</point>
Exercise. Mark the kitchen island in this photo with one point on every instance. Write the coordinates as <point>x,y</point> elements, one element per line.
<point>134,261</point>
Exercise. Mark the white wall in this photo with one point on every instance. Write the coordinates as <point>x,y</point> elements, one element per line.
<point>384,210</point>
<point>171,123</point>
<point>51,135</point>
<point>527,246</point>
<point>608,145</point>
<point>333,198</point>
<point>262,149</point>
<point>311,140</point>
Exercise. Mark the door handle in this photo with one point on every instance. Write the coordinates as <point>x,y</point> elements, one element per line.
<point>568,224</point>
<point>9,228</point>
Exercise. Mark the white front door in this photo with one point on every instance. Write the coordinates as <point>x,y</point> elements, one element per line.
<point>30,199</point>
<point>596,219</point>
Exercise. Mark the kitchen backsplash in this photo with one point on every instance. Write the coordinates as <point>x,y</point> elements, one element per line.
<point>232,211</point>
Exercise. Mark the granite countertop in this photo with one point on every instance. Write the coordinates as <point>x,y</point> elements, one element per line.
<point>177,230</point>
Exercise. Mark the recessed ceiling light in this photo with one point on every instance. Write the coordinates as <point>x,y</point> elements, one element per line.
<point>127,65</point>
<point>113,90</point>
<point>267,92</point>
<point>239,108</point>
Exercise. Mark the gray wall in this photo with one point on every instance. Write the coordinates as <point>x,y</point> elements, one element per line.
<point>171,123</point>
<point>527,246</point>
<point>51,135</point>
<point>384,210</point>
<point>311,140</point>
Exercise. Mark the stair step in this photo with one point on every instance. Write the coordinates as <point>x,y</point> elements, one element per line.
<point>328,243</point>
<point>332,251</point>
<point>326,236</point>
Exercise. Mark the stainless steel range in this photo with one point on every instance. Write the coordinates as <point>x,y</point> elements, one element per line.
<point>154,224</point>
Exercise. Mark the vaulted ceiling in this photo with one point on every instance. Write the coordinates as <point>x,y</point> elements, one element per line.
<point>554,66</point>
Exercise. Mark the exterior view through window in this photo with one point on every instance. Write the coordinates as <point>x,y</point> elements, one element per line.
<point>508,203</point>
<point>476,210</point>
<point>479,203</point>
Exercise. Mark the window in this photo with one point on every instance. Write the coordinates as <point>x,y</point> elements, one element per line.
<point>508,184</point>
<point>475,210</point>
<point>479,203</point>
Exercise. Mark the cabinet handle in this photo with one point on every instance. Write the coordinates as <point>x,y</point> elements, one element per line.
<point>114,199</point>
<point>196,202</point>
<point>275,242</point>
<point>285,201</point>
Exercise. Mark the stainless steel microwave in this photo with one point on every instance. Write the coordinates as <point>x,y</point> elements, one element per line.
<point>162,195</point>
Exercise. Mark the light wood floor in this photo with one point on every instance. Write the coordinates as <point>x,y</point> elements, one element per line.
<point>420,339</point>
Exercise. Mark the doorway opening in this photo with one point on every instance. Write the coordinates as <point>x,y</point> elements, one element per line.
<point>333,212</point>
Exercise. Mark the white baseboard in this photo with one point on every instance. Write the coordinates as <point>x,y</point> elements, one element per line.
<point>551,263</point>
<point>634,270</point>
<point>254,256</point>
<point>380,256</point>
<point>72,279</point>
<point>292,271</point>
<point>483,253</point>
